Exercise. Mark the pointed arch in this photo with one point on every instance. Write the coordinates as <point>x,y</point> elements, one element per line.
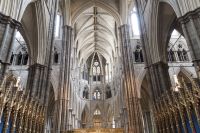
<point>97,111</point>
<point>98,108</point>
<point>166,22</point>
<point>34,22</point>
<point>97,94</point>
<point>29,30</point>
<point>173,4</point>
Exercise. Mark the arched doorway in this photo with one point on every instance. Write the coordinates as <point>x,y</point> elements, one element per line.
<point>97,118</point>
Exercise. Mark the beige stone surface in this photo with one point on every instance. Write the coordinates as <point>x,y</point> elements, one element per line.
<point>99,130</point>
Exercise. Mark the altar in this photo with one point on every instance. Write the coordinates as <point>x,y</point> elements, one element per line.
<point>99,130</point>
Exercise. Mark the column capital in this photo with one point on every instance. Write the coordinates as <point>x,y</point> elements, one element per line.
<point>159,63</point>
<point>8,20</point>
<point>125,26</point>
<point>190,15</point>
<point>6,63</point>
<point>36,65</point>
<point>67,27</point>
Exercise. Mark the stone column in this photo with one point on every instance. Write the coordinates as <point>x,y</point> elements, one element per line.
<point>8,28</point>
<point>35,80</point>
<point>73,120</point>
<point>62,103</point>
<point>159,76</point>
<point>108,72</point>
<point>191,29</point>
<point>132,99</point>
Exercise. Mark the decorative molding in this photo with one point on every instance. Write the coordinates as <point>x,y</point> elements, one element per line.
<point>190,15</point>
<point>8,20</point>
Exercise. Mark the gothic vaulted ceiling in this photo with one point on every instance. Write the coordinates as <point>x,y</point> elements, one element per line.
<point>95,31</point>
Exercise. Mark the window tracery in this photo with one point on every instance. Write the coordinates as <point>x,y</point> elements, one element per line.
<point>134,22</point>
<point>96,69</point>
<point>57,27</point>
<point>97,94</point>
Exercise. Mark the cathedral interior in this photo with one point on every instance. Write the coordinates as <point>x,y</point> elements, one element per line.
<point>99,66</point>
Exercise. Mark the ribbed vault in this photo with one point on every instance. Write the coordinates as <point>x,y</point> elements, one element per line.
<point>95,31</point>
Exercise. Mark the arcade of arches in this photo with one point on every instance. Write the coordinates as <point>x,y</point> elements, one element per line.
<point>120,66</point>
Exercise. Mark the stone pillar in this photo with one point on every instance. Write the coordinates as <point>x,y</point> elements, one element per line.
<point>8,28</point>
<point>108,72</point>
<point>73,121</point>
<point>35,80</point>
<point>76,123</point>
<point>191,29</point>
<point>160,78</point>
<point>132,99</point>
<point>62,103</point>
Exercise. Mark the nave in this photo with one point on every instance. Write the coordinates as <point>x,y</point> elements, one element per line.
<point>99,66</point>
